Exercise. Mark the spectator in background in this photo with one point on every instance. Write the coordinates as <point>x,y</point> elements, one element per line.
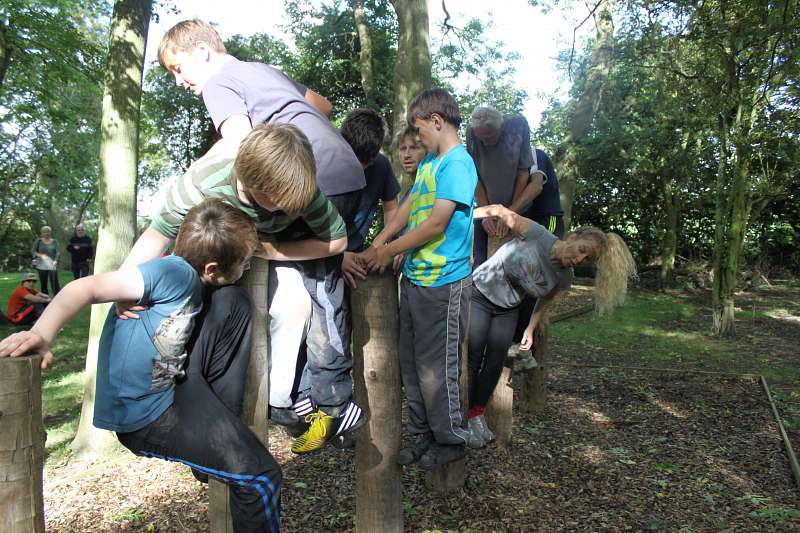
<point>26,304</point>
<point>81,249</point>
<point>45,259</point>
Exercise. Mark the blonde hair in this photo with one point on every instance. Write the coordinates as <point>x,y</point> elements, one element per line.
<point>277,160</point>
<point>614,264</point>
<point>483,117</point>
<point>183,36</point>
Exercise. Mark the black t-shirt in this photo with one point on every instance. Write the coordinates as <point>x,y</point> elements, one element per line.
<point>80,248</point>
<point>548,202</point>
<point>381,185</point>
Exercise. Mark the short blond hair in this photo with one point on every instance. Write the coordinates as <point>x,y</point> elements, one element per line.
<point>183,36</point>
<point>277,160</point>
<point>486,117</point>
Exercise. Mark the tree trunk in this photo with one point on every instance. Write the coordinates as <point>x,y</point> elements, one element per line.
<point>256,391</point>
<point>500,410</point>
<point>412,66</point>
<point>670,242</point>
<point>365,55</point>
<point>376,372</point>
<point>122,91</point>
<point>585,108</point>
<point>21,445</point>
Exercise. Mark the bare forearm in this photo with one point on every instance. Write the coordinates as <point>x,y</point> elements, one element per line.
<point>302,250</point>
<point>541,308</point>
<point>416,237</point>
<point>150,245</point>
<point>526,191</point>
<point>70,300</point>
<point>395,225</point>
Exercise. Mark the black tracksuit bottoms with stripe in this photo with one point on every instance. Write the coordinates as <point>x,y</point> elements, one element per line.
<point>202,428</point>
<point>433,322</point>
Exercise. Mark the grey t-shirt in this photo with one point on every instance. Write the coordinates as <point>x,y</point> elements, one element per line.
<point>498,164</point>
<point>519,267</point>
<point>265,94</point>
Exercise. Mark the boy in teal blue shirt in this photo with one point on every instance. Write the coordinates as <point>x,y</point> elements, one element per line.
<point>437,284</point>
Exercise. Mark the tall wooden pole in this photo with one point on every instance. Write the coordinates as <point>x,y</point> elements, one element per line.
<point>21,445</point>
<point>376,372</point>
<point>256,392</point>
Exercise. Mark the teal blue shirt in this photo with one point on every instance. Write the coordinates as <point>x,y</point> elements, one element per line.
<point>139,359</point>
<point>445,258</point>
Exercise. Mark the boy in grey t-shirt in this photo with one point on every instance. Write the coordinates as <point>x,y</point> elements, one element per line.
<point>240,95</point>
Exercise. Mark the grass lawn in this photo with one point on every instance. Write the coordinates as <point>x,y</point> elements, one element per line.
<point>62,384</point>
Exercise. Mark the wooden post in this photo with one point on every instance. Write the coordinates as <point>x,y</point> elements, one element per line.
<point>376,373</point>
<point>535,385</point>
<point>21,445</point>
<point>499,415</point>
<point>453,475</point>
<point>256,392</point>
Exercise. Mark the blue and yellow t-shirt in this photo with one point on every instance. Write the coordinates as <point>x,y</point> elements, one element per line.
<point>444,259</point>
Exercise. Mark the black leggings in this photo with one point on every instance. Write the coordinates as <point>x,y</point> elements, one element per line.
<point>202,428</point>
<point>46,276</point>
<point>491,329</point>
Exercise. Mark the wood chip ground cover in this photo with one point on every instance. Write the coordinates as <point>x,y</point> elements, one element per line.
<point>613,452</point>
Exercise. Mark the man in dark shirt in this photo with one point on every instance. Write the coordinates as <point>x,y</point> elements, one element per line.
<point>81,249</point>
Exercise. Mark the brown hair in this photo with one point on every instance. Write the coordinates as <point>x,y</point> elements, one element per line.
<point>214,231</point>
<point>183,36</point>
<point>407,131</point>
<point>614,264</point>
<point>276,160</point>
<point>433,101</point>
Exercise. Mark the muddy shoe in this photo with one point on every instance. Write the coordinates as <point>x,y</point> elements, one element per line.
<point>411,453</point>
<point>439,455</point>
<point>479,422</point>
<point>324,428</point>
<point>475,438</point>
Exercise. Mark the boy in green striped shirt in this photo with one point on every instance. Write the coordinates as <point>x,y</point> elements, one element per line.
<point>272,178</point>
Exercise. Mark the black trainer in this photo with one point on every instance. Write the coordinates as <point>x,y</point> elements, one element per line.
<point>411,454</point>
<point>439,455</point>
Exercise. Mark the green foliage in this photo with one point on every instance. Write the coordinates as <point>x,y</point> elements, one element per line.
<point>776,515</point>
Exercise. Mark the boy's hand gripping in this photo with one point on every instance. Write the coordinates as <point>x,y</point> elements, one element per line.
<point>25,342</point>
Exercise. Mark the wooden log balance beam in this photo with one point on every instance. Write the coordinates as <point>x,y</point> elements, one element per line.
<point>256,392</point>
<point>21,445</point>
<point>376,376</point>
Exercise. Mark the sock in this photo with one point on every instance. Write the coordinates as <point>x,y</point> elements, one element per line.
<point>476,410</point>
<point>304,406</point>
<point>349,417</point>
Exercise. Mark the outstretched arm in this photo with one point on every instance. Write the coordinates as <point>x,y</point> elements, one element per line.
<point>539,316</point>
<point>515,222</point>
<point>108,287</point>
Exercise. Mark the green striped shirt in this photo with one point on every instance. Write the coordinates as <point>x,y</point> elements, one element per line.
<point>212,177</point>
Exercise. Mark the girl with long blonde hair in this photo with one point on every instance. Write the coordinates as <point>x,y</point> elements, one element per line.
<point>538,264</point>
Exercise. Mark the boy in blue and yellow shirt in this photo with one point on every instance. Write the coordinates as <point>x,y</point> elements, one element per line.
<point>437,284</point>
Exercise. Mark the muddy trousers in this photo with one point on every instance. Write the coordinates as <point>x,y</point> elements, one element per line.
<point>433,322</point>
<point>202,428</point>
<point>491,329</point>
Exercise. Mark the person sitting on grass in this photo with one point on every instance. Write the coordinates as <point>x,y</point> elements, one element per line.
<point>171,383</point>
<point>26,304</point>
<point>535,263</point>
<point>434,292</point>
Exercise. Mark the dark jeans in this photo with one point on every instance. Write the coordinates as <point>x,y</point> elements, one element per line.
<point>433,321</point>
<point>29,314</point>
<point>80,269</point>
<point>491,330</point>
<point>202,428</point>
<point>46,276</point>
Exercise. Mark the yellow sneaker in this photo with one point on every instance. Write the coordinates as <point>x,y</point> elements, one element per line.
<point>324,428</point>
<point>317,434</point>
